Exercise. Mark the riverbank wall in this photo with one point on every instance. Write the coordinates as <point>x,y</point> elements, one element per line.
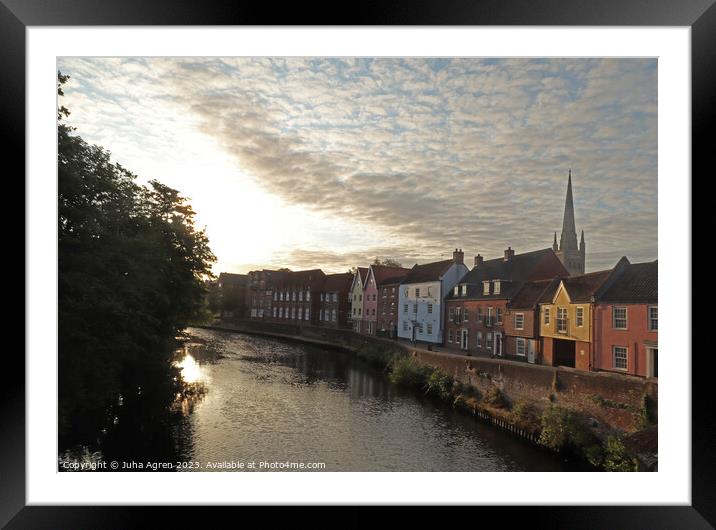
<point>609,403</point>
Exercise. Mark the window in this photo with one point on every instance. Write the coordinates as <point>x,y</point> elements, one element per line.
<point>579,317</point>
<point>385,292</point>
<point>372,311</point>
<point>417,292</point>
<point>354,310</point>
<point>420,328</point>
<point>499,315</point>
<point>546,316</point>
<point>282,297</point>
<point>374,297</point>
<point>293,312</point>
<point>452,313</point>
<point>519,321</point>
<point>486,287</point>
<point>489,341</point>
<point>619,315</point>
<point>308,296</point>
<point>479,314</point>
<point>405,325</point>
<point>561,320</point>
<point>521,347</point>
<point>430,329</point>
<point>406,292</point>
<point>307,314</point>
<point>360,297</point>
<point>496,287</point>
<point>322,297</point>
<point>333,315</point>
<point>450,335</point>
<point>405,308</point>
<point>275,296</point>
<point>463,290</point>
<point>293,296</point>
<point>653,318</point>
<point>355,298</point>
<point>360,311</point>
<point>430,292</point>
<point>479,339</point>
<point>465,316</point>
<point>274,312</point>
<point>320,315</point>
<point>300,296</point>
<point>620,357</point>
<point>415,308</point>
<point>456,290</point>
<point>430,308</point>
<point>300,313</point>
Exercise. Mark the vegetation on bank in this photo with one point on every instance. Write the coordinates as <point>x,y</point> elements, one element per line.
<point>132,270</point>
<point>557,428</point>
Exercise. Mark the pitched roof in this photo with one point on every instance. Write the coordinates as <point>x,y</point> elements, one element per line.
<point>229,278</point>
<point>312,278</point>
<point>532,293</point>
<point>338,282</point>
<point>581,288</point>
<point>512,273</point>
<point>428,272</point>
<point>636,282</point>
<point>384,275</point>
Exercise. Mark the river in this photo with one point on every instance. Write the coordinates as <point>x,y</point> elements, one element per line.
<point>271,401</point>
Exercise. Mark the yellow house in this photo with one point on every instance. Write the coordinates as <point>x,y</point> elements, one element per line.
<point>566,321</point>
<point>356,293</point>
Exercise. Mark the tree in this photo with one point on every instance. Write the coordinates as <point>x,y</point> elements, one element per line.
<point>387,262</point>
<point>132,270</point>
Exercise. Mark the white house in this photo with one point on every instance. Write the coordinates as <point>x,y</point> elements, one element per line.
<point>422,295</point>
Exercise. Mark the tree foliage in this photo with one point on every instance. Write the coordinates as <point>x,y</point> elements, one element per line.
<point>389,262</point>
<point>132,270</point>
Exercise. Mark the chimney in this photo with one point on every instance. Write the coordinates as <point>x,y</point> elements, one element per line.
<point>458,256</point>
<point>509,253</point>
<point>478,260</point>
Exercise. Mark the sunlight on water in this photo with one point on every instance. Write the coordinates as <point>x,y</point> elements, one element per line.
<point>191,372</point>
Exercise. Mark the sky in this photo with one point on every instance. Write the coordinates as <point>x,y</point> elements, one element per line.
<point>331,162</point>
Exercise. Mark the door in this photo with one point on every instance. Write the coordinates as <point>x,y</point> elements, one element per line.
<point>531,351</point>
<point>498,344</point>
<point>653,362</point>
<point>463,343</point>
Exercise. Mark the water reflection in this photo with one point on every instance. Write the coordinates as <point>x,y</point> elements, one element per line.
<point>191,372</point>
<point>274,400</point>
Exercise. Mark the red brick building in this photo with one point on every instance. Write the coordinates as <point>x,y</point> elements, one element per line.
<point>380,300</point>
<point>262,285</point>
<point>477,307</point>
<point>296,297</point>
<point>521,322</point>
<point>234,299</point>
<point>626,320</point>
<point>335,306</point>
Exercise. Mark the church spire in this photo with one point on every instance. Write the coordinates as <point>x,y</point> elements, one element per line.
<point>568,239</point>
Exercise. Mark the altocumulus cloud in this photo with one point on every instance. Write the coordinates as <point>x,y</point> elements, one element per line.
<point>439,153</point>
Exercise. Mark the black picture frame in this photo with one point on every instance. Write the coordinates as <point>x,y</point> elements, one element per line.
<point>699,15</point>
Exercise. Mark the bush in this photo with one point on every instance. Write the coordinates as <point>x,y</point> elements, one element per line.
<point>494,397</point>
<point>564,430</point>
<point>616,457</point>
<point>439,384</point>
<point>408,372</point>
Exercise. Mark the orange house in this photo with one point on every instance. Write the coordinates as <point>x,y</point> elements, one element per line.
<point>626,319</point>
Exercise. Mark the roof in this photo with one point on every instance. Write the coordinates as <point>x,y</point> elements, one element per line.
<point>383,274</point>
<point>428,272</point>
<point>338,282</point>
<point>583,287</point>
<point>363,274</point>
<point>512,273</point>
<point>312,278</point>
<point>229,278</point>
<point>635,282</point>
<point>532,293</point>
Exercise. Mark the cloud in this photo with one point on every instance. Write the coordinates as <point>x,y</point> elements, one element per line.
<point>468,152</point>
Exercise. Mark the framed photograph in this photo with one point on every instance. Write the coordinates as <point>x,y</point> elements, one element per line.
<point>406,259</point>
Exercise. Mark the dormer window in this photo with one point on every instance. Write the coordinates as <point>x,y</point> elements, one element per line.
<point>496,286</point>
<point>463,289</point>
<point>486,287</point>
<point>456,290</point>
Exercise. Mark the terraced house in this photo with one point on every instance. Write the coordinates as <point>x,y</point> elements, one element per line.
<point>334,307</point>
<point>421,298</point>
<point>626,320</point>
<point>477,305</point>
<point>296,298</point>
<point>357,288</point>
<point>566,321</point>
<point>380,299</point>
<point>262,286</point>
